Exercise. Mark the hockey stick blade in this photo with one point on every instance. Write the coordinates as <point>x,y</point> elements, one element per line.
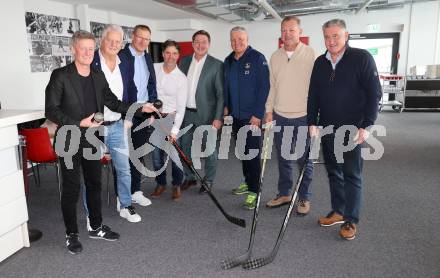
<point>237,221</point>
<point>240,260</point>
<point>234,220</point>
<point>259,262</point>
<point>234,262</point>
<point>256,263</point>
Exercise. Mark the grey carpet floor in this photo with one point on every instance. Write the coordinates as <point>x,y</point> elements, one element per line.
<point>398,234</point>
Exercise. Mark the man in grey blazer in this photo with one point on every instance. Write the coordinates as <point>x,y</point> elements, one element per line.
<point>204,104</point>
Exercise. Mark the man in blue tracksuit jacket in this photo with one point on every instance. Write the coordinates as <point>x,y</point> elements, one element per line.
<point>344,91</point>
<point>246,89</point>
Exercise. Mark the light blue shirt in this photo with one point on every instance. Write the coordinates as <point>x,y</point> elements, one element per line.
<point>329,57</point>
<point>141,75</point>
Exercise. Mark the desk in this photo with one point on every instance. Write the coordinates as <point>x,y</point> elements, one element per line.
<point>13,208</point>
<point>422,94</point>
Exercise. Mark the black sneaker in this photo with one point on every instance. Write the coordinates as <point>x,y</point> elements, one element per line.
<point>104,232</point>
<point>73,244</point>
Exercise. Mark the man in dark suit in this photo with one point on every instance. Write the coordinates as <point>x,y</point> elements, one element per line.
<point>145,80</point>
<point>73,96</point>
<point>204,104</point>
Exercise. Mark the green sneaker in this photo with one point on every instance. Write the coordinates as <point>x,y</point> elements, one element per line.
<point>241,189</point>
<point>251,201</point>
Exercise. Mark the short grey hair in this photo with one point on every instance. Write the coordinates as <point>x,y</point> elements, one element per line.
<point>335,22</point>
<point>238,29</point>
<point>113,28</point>
<point>81,35</point>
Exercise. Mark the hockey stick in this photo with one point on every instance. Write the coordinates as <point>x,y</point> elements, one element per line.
<point>233,262</point>
<point>237,221</point>
<point>259,262</point>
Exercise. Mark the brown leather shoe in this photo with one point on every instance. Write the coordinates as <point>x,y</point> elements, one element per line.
<point>331,219</point>
<point>278,202</point>
<point>176,193</point>
<point>158,191</point>
<point>187,184</point>
<point>303,207</point>
<point>348,230</point>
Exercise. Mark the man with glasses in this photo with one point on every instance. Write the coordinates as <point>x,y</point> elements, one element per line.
<point>204,105</point>
<point>145,80</point>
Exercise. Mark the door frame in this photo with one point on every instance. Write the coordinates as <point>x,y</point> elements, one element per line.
<point>395,50</point>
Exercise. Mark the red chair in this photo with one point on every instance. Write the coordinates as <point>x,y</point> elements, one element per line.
<point>39,150</point>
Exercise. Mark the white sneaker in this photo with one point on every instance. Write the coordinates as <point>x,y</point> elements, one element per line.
<point>118,205</point>
<point>129,214</point>
<point>139,198</point>
<point>89,228</point>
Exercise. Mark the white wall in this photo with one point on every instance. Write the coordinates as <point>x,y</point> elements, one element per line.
<point>14,67</point>
<point>22,89</point>
<point>424,37</point>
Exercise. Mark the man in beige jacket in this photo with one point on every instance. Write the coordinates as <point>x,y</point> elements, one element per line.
<point>290,70</point>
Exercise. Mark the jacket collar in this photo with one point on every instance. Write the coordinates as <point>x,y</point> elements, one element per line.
<point>248,49</point>
<point>347,50</point>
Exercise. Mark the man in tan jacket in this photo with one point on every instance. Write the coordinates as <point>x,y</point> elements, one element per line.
<point>290,70</point>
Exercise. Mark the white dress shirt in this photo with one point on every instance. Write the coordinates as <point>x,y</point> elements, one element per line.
<point>193,79</point>
<point>172,90</point>
<point>114,79</point>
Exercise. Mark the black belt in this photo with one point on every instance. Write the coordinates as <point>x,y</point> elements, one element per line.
<point>191,109</point>
<point>107,123</point>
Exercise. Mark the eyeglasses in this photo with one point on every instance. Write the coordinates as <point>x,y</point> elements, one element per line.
<point>142,39</point>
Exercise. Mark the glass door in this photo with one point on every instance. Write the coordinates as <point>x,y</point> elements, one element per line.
<point>383,46</point>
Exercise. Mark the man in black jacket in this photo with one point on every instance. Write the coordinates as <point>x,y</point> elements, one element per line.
<point>73,96</point>
<point>344,91</point>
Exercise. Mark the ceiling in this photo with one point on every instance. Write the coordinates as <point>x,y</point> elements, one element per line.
<point>139,8</point>
<point>236,10</point>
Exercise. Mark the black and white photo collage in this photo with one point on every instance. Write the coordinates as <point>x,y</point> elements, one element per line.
<point>48,39</point>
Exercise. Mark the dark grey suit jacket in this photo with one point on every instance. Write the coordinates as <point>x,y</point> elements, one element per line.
<point>209,93</point>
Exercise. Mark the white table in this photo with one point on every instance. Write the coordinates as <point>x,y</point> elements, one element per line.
<point>13,208</point>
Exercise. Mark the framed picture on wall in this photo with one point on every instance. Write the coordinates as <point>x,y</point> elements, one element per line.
<point>49,39</point>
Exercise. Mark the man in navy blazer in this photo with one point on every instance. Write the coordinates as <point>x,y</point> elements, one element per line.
<point>145,80</point>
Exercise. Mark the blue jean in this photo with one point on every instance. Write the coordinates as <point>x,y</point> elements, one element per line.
<point>345,179</point>
<point>285,166</point>
<point>117,144</point>
<point>159,162</point>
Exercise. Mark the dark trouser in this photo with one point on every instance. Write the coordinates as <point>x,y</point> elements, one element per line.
<point>71,189</point>
<point>187,141</point>
<point>251,168</point>
<point>285,166</point>
<point>345,179</point>
<point>138,139</point>
<point>159,163</point>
